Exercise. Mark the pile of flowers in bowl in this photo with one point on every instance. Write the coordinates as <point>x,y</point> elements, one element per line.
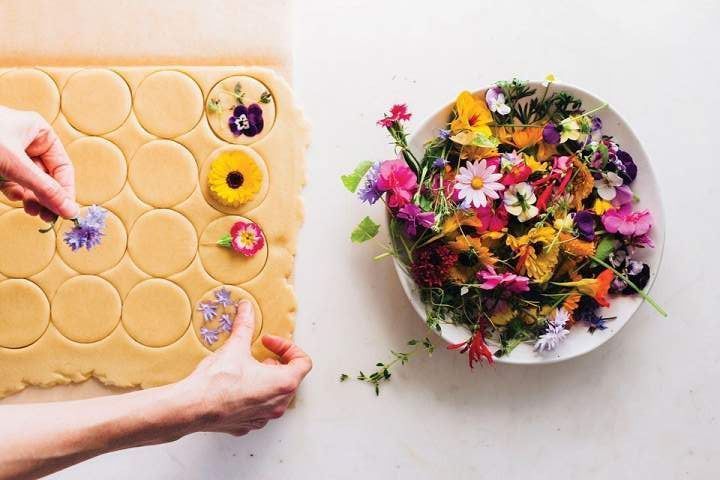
<point>518,222</point>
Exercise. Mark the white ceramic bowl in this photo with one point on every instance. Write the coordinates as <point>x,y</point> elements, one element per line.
<point>645,186</point>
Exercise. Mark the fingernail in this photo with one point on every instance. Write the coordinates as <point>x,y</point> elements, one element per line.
<point>69,208</point>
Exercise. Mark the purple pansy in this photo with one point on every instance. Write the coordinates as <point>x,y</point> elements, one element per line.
<point>208,335</point>
<point>625,166</point>
<point>208,310</point>
<point>246,120</point>
<point>88,230</point>
<point>225,323</point>
<point>551,134</point>
<point>637,272</point>
<point>414,217</point>
<point>369,191</point>
<point>585,223</point>
<point>222,296</point>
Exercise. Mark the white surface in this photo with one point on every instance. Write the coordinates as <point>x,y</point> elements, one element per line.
<point>641,406</point>
<point>645,187</point>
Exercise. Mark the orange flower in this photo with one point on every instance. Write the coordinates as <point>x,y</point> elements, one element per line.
<point>545,151</point>
<point>527,137</point>
<point>464,243</point>
<point>575,246</point>
<point>451,224</point>
<point>596,288</point>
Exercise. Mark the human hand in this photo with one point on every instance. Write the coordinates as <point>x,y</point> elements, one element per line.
<point>34,166</point>
<point>233,392</point>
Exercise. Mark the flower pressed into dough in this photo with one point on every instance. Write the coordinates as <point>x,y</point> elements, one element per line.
<point>234,178</point>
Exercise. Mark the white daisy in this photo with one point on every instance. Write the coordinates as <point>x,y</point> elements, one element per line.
<point>519,200</point>
<point>477,182</point>
<point>607,184</point>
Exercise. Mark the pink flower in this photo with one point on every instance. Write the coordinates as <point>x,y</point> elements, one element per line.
<point>623,195</point>
<point>560,164</point>
<point>493,219</point>
<point>398,180</point>
<point>397,113</point>
<point>626,222</point>
<point>509,281</point>
<point>247,238</point>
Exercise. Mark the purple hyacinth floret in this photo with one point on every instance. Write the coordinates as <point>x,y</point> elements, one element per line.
<point>223,297</point>
<point>225,323</point>
<point>88,230</point>
<point>208,335</point>
<point>246,120</point>
<point>208,310</point>
<point>369,192</point>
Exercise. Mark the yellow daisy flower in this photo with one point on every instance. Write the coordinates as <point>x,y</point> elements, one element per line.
<point>234,178</point>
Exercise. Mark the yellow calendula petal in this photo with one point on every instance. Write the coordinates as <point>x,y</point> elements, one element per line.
<point>534,165</point>
<point>601,206</point>
<point>234,178</point>
<point>582,184</point>
<point>541,267</point>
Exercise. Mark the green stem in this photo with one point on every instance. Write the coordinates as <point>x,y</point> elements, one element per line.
<point>639,291</point>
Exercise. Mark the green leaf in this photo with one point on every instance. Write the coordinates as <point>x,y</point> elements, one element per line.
<point>225,241</point>
<point>604,248</point>
<point>366,230</point>
<point>481,140</point>
<point>352,180</point>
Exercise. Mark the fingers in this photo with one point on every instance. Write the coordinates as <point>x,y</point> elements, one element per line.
<point>271,361</point>
<point>289,353</point>
<point>47,148</point>
<point>48,191</point>
<point>243,328</point>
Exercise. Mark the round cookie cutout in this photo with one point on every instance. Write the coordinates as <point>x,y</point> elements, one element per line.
<point>248,153</point>
<point>163,173</point>
<point>211,333</point>
<point>162,242</point>
<point>24,313</point>
<point>101,257</point>
<point>156,312</point>
<point>257,103</point>
<point>25,251</point>
<point>225,264</point>
<point>168,103</point>
<point>86,309</point>
<point>30,89</point>
<point>96,101</point>
<point>100,169</point>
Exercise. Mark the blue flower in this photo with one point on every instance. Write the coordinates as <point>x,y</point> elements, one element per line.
<point>223,297</point>
<point>439,162</point>
<point>208,335</point>
<point>444,133</point>
<point>226,323</point>
<point>88,230</point>
<point>208,309</point>
<point>369,192</point>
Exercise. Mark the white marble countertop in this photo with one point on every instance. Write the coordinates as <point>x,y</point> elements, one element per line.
<point>642,406</point>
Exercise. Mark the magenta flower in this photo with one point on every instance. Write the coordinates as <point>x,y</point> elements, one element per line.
<point>398,180</point>
<point>414,217</point>
<point>493,219</point>
<point>509,281</point>
<point>626,222</point>
<point>397,113</point>
<point>623,196</point>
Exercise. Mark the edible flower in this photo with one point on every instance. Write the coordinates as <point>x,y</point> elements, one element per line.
<point>246,121</point>
<point>597,288</point>
<point>369,191</point>
<point>519,200</point>
<point>209,335</point>
<point>431,264</point>
<point>606,185</point>
<point>477,182</point>
<point>398,113</point>
<point>234,178</point>
<point>396,178</point>
<point>472,116</point>
<point>509,281</point>
<point>626,222</point>
<point>208,310</point>
<point>495,99</point>
<point>414,217</point>
<point>88,230</point>
<point>584,221</point>
<point>223,297</point>
<point>556,332</point>
<point>476,348</point>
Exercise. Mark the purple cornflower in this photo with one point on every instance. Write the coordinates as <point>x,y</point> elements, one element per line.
<point>439,162</point>
<point>208,335</point>
<point>551,134</point>
<point>222,296</point>
<point>208,309</point>
<point>555,333</point>
<point>246,120</point>
<point>225,323</point>
<point>88,230</point>
<point>585,223</point>
<point>587,312</point>
<point>369,192</point>
<point>444,133</point>
<point>414,217</point>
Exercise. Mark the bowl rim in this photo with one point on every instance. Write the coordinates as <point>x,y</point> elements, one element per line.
<point>658,212</point>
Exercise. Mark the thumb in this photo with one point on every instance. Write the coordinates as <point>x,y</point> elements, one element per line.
<point>47,190</point>
<point>243,327</point>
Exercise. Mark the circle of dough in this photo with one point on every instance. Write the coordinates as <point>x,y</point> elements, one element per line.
<point>86,309</point>
<point>96,101</point>
<point>253,90</point>
<point>156,312</point>
<point>100,169</point>
<point>162,242</point>
<point>163,173</point>
<point>225,264</point>
<point>30,89</point>
<point>168,103</point>
<point>205,188</point>
<point>25,251</point>
<point>24,313</point>
<point>101,257</point>
<point>236,293</point>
